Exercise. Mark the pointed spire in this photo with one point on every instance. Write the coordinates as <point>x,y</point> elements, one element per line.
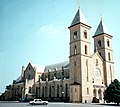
<point>79,18</point>
<point>101,29</point>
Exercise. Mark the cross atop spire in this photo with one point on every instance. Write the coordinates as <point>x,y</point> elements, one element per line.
<point>78,4</point>
<point>100,16</point>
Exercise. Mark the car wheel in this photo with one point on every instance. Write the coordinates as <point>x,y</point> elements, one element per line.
<point>44,103</point>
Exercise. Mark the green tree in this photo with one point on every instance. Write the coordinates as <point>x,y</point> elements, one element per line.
<point>8,87</point>
<point>112,92</point>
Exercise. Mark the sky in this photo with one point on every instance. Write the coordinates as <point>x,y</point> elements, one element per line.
<point>37,31</point>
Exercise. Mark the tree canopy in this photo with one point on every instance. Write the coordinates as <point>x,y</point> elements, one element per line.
<point>8,87</point>
<point>112,92</point>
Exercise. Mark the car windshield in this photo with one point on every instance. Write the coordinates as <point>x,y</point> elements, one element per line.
<point>36,100</point>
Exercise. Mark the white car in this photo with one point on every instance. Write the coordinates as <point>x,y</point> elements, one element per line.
<point>38,102</point>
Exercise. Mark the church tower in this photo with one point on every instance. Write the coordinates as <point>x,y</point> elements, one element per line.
<point>103,44</point>
<point>79,57</point>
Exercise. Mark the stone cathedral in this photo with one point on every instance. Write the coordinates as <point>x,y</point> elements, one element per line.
<point>89,74</point>
<point>82,78</point>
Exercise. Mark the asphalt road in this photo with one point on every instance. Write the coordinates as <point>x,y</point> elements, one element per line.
<point>17,104</point>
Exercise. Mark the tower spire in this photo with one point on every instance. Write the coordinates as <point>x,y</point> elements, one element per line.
<point>101,29</point>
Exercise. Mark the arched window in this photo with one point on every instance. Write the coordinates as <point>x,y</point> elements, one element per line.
<point>75,35</point>
<point>48,75</point>
<point>86,62</point>
<point>87,90</point>
<point>71,90</point>
<point>53,91</point>
<point>96,62</point>
<point>39,77</point>
<point>66,90</point>
<point>75,49</point>
<point>30,89</point>
<point>109,56</point>
<point>43,91</point>
<point>75,89</point>
<point>36,91</point>
<point>95,92</point>
<point>74,63</point>
<point>85,34</point>
<point>99,43</point>
<point>58,90</point>
<point>110,68</point>
<point>111,73</point>
<point>86,49</point>
<point>50,91</point>
<point>87,69</point>
<point>29,76</point>
<point>108,43</point>
<point>55,73</point>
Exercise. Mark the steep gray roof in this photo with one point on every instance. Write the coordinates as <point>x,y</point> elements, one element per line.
<point>79,18</point>
<point>18,79</point>
<point>57,66</point>
<point>101,29</point>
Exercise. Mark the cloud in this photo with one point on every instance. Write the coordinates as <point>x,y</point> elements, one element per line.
<point>49,29</point>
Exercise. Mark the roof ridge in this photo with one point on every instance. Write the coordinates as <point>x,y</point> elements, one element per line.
<point>56,65</point>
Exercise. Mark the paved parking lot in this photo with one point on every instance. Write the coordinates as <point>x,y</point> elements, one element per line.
<point>17,104</point>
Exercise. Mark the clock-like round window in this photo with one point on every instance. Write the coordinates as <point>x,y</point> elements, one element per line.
<point>97,73</point>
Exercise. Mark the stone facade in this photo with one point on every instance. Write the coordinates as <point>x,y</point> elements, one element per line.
<point>81,79</point>
<point>91,73</point>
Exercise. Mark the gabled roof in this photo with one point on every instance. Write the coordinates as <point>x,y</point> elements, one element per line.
<point>57,66</point>
<point>97,53</point>
<point>101,29</point>
<point>79,18</point>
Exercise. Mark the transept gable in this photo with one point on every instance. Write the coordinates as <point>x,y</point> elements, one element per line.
<point>96,54</point>
<point>35,67</point>
<point>97,69</point>
<point>29,72</point>
<point>29,67</point>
